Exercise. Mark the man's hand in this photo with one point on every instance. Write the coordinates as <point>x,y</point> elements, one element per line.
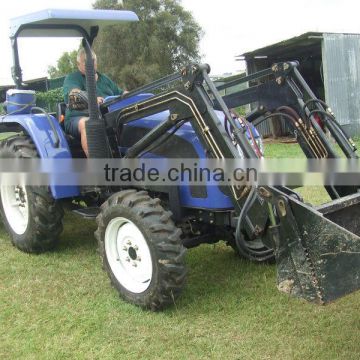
<point>78,100</point>
<point>100,100</point>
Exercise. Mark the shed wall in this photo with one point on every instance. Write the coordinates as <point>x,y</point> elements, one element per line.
<point>341,69</point>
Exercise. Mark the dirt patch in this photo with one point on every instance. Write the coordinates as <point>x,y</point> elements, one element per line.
<point>280,140</point>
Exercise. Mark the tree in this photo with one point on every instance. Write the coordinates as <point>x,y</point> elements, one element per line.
<point>65,65</point>
<point>166,38</point>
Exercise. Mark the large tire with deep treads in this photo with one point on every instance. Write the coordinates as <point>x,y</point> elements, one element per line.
<point>141,249</point>
<point>30,214</point>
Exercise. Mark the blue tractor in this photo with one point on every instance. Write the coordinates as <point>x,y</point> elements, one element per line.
<point>143,231</point>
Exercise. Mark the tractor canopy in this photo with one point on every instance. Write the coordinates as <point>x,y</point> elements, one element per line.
<point>66,23</point>
<point>61,23</point>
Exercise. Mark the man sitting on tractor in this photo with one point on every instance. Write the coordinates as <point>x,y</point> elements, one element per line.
<point>75,82</point>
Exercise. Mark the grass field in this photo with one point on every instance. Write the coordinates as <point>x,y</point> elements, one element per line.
<point>60,305</point>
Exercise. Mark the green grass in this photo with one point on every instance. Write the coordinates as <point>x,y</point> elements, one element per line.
<point>60,305</point>
<point>316,195</point>
<point>6,135</point>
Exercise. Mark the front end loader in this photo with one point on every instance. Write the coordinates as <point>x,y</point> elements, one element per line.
<point>316,249</point>
<point>143,231</point>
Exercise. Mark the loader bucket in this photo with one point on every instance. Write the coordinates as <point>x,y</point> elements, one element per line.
<point>318,250</point>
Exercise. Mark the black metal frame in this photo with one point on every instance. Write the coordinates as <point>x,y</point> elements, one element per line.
<point>16,69</point>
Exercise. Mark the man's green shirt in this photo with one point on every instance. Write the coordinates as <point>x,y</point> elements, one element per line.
<point>104,87</point>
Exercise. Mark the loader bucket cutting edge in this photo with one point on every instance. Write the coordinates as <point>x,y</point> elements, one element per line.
<point>318,250</point>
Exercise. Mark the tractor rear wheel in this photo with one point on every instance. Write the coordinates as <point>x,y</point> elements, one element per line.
<point>141,249</point>
<point>30,214</point>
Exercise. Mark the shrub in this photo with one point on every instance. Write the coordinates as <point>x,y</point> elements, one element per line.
<point>50,98</point>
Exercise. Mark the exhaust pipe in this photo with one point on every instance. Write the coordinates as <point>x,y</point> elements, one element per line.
<point>95,127</point>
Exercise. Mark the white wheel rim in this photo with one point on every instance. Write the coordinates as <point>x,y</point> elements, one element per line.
<point>128,255</point>
<point>16,207</point>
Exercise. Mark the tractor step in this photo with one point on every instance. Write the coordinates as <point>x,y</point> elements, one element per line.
<point>88,212</point>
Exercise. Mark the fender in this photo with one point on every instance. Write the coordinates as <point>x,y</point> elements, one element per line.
<point>37,126</point>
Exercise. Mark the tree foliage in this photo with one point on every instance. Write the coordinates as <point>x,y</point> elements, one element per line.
<point>50,98</point>
<point>165,38</point>
<point>65,65</point>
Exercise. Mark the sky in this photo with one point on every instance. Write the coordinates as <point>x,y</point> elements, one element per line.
<point>230,27</point>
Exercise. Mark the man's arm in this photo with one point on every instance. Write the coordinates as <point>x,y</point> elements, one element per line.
<point>116,90</point>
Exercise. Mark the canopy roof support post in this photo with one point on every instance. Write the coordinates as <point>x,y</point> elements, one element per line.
<point>16,72</point>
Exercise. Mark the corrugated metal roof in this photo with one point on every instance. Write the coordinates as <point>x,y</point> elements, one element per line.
<point>293,45</point>
<point>304,40</point>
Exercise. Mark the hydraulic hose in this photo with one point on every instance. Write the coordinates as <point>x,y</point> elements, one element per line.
<point>248,128</point>
<point>239,237</point>
<point>331,117</point>
<point>316,147</point>
<point>56,143</point>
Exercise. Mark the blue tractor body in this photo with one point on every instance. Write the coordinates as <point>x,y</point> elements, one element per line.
<point>37,126</point>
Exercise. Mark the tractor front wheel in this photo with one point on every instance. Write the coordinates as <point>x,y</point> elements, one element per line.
<point>141,249</point>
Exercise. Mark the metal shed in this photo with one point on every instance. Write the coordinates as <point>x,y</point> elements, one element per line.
<point>329,62</point>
